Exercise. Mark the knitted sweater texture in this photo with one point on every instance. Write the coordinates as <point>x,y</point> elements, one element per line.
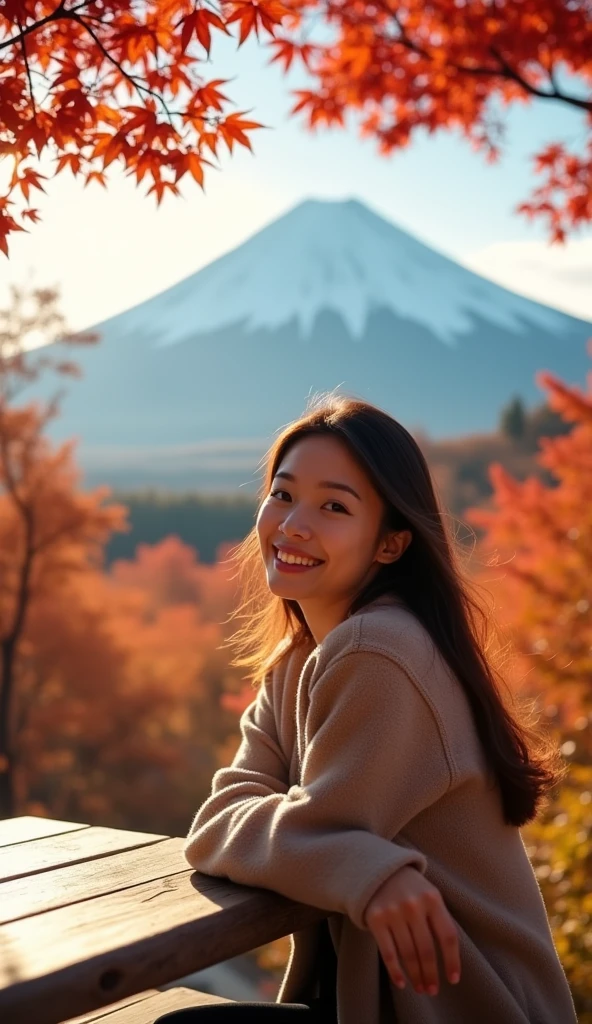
<point>360,756</point>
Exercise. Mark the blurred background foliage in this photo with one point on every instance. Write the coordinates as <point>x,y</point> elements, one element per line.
<point>118,699</point>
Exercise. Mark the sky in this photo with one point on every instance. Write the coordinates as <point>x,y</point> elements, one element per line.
<point>109,250</point>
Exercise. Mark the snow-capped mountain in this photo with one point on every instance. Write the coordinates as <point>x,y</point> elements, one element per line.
<point>337,257</point>
<point>189,387</point>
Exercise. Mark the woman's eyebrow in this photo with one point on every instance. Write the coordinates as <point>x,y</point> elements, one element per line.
<point>332,484</point>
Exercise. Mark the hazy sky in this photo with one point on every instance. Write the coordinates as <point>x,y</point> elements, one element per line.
<point>109,250</point>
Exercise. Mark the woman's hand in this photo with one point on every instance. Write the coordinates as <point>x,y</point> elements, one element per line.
<point>399,916</point>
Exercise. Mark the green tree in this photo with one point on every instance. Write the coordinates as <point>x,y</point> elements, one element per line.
<point>513,419</point>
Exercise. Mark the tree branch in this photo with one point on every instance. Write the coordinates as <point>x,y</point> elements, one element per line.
<point>140,88</point>
<point>28,70</point>
<point>60,12</point>
<point>63,531</point>
<point>503,70</point>
<point>556,94</point>
<point>11,486</point>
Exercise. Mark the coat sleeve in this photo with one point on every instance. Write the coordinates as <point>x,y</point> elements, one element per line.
<point>374,758</point>
<point>259,767</point>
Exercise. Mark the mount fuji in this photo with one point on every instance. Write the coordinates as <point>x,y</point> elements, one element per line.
<point>188,388</point>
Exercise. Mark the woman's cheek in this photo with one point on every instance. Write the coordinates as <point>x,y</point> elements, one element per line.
<point>262,516</point>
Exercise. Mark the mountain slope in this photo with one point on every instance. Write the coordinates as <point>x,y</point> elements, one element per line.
<point>338,257</point>
<point>188,388</point>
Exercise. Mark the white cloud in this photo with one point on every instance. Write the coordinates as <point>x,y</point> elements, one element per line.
<point>556,275</point>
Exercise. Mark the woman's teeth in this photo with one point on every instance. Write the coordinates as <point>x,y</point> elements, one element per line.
<point>295,559</point>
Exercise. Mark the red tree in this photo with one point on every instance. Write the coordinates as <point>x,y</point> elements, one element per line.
<point>443,64</point>
<point>95,81</point>
<point>542,539</point>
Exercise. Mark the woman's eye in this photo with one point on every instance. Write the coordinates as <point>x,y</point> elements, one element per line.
<point>274,494</point>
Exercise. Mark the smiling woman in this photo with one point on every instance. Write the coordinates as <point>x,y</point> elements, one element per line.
<point>383,773</point>
<point>345,536</point>
<point>287,559</point>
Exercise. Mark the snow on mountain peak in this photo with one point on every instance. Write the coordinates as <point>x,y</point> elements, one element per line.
<point>335,256</point>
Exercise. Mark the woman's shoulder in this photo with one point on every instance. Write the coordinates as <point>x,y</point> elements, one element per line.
<point>289,658</point>
<point>388,627</point>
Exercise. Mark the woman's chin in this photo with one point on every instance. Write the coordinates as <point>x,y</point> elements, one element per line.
<point>279,589</point>
<point>290,589</point>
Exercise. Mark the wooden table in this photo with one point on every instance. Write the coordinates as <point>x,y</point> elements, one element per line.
<point>91,915</point>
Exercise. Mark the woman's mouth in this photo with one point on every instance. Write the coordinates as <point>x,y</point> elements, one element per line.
<point>292,566</point>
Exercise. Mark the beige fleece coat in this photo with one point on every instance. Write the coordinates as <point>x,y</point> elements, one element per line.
<point>359,756</point>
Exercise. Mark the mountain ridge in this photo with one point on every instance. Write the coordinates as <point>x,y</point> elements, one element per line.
<point>440,348</point>
<point>338,256</point>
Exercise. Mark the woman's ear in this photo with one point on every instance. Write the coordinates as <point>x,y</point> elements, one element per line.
<point>395,545</point>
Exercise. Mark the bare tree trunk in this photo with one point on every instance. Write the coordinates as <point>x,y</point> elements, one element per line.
<point>15,325</point>
<point>6,763</point>
<point>9,649</point>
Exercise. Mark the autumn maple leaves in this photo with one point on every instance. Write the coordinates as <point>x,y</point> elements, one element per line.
<point>97,81</point>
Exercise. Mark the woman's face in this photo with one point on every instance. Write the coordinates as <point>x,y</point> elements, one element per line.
<point>322,504</point>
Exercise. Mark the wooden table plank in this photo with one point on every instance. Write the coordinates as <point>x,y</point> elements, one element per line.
<point>88,1018</point>
<point>148,1005</point>
<point>27,827</point>
<point>74,959</point>
<point>36,894</point>
<point>52,852</point>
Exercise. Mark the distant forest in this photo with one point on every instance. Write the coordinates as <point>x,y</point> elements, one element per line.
<point>460,468</point>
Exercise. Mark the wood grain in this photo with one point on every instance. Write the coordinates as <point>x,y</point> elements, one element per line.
<point>26,828</point>
<point>36,894</point>
<point>89,954</point>
<point>29,858</point>
<point>102,1014</point>
<point>146,1006</point>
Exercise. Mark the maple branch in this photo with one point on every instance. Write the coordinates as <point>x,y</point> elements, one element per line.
<point>140,88</point>
<point>60,12</point>
<point>28,70</point>
<point>556,94</point>
<point>552,79</point>
<point>416,48</point>
<point>405,40</point>
<point>504,71</point>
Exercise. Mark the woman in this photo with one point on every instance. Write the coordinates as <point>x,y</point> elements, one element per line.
<point>381,775</point>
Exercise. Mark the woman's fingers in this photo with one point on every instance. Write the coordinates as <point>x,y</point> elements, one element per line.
<point>396,946</point>
<point>388,951</point>
<point>425,974</point>
<point>406,941</point>
<point>446,931</point>
<point>409,954</point>
<point>427,920</point>
<point>409,920</point>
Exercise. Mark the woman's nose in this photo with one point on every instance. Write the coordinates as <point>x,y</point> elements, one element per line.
<point>290,527</point>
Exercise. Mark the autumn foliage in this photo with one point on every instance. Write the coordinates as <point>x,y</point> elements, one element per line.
<point>106,679</point>
<point>409,67</point>
<point>541,537</point>
<point>91,82</point>
<point>537,539</point>
<point>94,82</point>
<point>50,532</point>
<point>117,698</point>
<point>113,697</point>
<point>131,725</point>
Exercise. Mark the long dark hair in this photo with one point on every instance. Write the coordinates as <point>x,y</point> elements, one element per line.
<point>428,577</point>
